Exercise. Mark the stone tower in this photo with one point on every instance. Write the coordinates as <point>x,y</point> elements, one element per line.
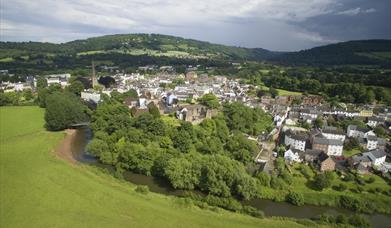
<point>94,80</point>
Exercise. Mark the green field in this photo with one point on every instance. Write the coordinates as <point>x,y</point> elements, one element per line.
<point>40,190</point>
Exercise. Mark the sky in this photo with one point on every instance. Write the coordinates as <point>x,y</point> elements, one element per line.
<point>278,25</point>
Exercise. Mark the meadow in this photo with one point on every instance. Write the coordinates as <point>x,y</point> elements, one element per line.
<point>38,189</point>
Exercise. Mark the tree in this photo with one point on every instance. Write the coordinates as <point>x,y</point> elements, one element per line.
<point>323,180</point>
<point>153,110</point>
<point>182,173</point>
<point>210,100</point>
<point>379,130</point>
<point>63,110</point>
<point>96,147</point>
<point>273,92</point>
<point>295,198</point>
<point>41,83</point>
<point>264,179</point>
<point>75,87</point>
<point>319,122</point>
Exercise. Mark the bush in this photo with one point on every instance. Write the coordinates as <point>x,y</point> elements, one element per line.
<point>253,211</point>
<point>306,171</point>
<point>371,180</point>
<point>323,180</point>
<point>295,198</point>
<point>277,183</point>
<point>264,179</point>
<point>287,177</point>
<point>358,221</point>
<point>142,189</point>
<point>342,187</point>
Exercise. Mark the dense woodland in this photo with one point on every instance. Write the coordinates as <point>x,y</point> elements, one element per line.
<point>211,157</point>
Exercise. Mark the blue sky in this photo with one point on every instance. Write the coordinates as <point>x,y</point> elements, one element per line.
<point>281,25</point>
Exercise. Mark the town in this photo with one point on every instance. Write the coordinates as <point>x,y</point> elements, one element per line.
<point>307,129</point>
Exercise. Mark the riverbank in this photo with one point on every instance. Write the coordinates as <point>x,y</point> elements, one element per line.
<point>41,190</point>
<point>64,149</point>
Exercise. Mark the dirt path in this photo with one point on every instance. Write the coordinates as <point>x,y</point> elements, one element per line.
<point>64,149</point>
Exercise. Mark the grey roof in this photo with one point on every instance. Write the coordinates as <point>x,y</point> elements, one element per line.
<point>297,136</point>
<point>378,153</point>
<point>312,152</point>
<point>357,128</point>
<point>333,130</point>
<point>325,141</point>
<point>371,138</point>
<point>360,158</point>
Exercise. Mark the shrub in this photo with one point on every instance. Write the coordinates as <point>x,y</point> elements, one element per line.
<point>142,189</point>
<point>342,187</point>
<point>371,180</point>
<point>277,183</point>
<point>253,211</point>
<point>306,171</point>
<point>358,221</point>
<point>287,177</point>
<point>323,180</point>
<point>264,179</point>
<point>295,198</point>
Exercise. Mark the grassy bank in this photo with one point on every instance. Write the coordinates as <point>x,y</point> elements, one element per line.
<point>40,190</point>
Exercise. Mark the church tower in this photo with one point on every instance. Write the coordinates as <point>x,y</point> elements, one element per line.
<point>94,80</point>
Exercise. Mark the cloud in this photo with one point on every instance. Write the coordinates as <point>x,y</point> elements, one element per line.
<point>355,11</point>
<point>263,22</point>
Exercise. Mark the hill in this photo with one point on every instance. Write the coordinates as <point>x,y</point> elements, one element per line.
<point>138,44</point>
<point>362,52</point>
<point>40,190</point>
<point>132,50</point>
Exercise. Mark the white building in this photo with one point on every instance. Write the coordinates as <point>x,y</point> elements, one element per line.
<point>295,140</point>
<point>292,155</point>
<point>377,157</point>
<point>355,132</point>
<point>90,96</point>
<point>333,133</point>
<point>372,142</point>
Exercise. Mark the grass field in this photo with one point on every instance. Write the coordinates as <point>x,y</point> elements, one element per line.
<point>40,190</point>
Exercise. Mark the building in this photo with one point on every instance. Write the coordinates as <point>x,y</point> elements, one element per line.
<point>297,140</point>
<point>292,155</point>
<point>332,147</point>
<point>375,121</point>
<point>333,133</point>
<point>377,156</point>
<point>195,113</point>
<point>326,163</point>
<point>90,96</point>
<point>356,131</point>
<point>366,113</point>
<point>372,142</point>
<point>311,155</point>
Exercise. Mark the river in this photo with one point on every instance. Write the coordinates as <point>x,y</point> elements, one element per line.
<point>269,207</point>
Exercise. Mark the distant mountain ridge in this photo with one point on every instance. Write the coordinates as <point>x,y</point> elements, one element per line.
<point>351,52</point>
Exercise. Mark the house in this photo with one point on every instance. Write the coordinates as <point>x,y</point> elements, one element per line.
<point>195,113</point>
<point>333,133</point>
<point>326,163</point>
<point>332,147</point>
<point>372,142</point>
<point>312,100</point>
<point>377,156</point>
<point>297,140</point>
<point>131,102</point>
<point>90,96</point>
<point>311,155</point>
<point>292,155</point>
<point>375,121</point>
<point>356,131</point>
<point>366,113</point>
